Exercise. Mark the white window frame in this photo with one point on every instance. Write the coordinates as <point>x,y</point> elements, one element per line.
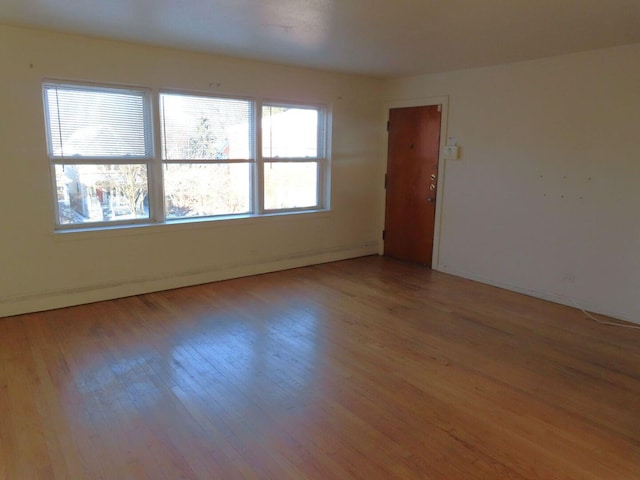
<point>63,160</point>
<point>321,159</point>
<point>251,160</point>
<point>155,163</point>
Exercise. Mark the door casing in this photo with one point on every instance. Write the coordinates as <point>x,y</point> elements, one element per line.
<point>428,101</point>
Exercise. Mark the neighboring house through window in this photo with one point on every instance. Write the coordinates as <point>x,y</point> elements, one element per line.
<point>111,168</point>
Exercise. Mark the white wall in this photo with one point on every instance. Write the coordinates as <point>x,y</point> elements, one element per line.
<point>40,269</point>
<point>546,195</point>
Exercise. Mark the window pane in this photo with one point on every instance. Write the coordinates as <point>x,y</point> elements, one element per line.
<point>205,128</point>
<point>290,185</point>
<point>88,121</point>
<point>203,189</point>
<point>101,193</point>
<point>289,132</point>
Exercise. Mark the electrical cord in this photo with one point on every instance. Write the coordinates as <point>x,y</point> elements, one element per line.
<point>602,322</point>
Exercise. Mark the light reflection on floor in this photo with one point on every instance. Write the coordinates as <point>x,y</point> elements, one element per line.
<point>233,364</point>
<point>250,364</point>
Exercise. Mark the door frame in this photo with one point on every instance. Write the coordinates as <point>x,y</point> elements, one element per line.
<point>420,102</point>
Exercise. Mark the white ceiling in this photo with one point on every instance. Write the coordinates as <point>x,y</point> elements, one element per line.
<point>376,37</point>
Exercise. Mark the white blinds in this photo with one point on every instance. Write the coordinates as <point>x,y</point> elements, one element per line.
<point>205,128</point>
<point>97,122</point>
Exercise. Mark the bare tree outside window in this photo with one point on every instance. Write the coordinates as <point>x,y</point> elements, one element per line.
<point>206,148</point>
<point>107,169</point>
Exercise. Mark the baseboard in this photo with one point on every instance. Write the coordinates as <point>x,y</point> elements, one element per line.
<point>52,299</point>
<point>544,295</point>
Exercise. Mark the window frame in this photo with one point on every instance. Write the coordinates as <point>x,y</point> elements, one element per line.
<point>155,163</point>
<point>321,159</point>
<point>148,160</point>
<point>250,161</point>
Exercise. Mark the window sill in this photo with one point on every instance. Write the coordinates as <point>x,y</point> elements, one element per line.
<point>109,231</point>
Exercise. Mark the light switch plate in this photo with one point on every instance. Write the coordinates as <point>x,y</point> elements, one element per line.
<point>451,152</point>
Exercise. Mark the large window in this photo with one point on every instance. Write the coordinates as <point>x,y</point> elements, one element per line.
<point>207,155</point>
<point>293,156</point>
<point>100,146</point>
<point>111,168</point>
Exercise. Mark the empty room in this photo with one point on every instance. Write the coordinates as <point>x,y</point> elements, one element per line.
<point>320,239</point>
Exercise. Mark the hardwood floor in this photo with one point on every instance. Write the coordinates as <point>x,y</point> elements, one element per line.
<point>365,369</point>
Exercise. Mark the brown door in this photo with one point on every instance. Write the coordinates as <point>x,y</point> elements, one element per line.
<point>412,174</point>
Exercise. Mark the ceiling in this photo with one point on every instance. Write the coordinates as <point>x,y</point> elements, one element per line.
<point>373,37</point>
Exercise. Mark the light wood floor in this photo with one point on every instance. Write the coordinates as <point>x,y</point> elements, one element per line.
<point>367,369</point>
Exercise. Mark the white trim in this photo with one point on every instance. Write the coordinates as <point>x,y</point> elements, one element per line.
<point>326,177</point>
<point>192,223</point>
<point>155,171</point>
<point>422,102</point>
<point>257,199</point>
<point>323,147</point>
<point>155,163</point>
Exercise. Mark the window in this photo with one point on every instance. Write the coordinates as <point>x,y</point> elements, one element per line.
<point>293,156</point>
<point>100,146</point>
<point>110,168</point>
<point>206,150</point>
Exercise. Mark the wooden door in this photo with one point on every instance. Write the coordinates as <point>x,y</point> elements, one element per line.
<point>412,179</point>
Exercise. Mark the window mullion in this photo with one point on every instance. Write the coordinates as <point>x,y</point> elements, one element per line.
<point>125,150</point>
<point>258,183</point>
<point>319,183</point>
<point>156,177</point>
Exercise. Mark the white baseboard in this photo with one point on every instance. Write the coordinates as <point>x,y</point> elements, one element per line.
<point>49,300</point>
<point>544,295</point>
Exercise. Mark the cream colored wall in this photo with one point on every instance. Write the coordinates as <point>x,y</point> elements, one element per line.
<point>40,270</point>
<point>545,197</point>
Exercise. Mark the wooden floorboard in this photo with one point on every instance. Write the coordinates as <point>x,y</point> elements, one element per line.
<point>365,369</point>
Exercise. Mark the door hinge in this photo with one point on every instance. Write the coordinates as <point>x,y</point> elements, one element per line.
<point>384,234</point>
<point>439,108</point>
<point>386,181</point>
